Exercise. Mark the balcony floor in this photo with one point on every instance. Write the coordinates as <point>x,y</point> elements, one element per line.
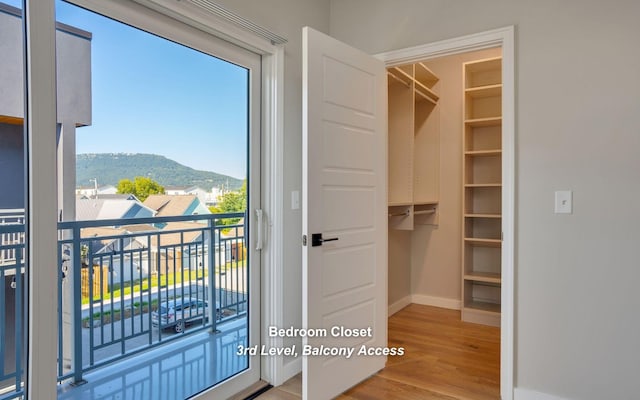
<point>175,371</point>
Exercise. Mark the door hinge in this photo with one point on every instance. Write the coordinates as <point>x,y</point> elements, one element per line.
<point>304,240</point>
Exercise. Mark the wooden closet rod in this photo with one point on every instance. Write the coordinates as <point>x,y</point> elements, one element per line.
<point>424,212</point>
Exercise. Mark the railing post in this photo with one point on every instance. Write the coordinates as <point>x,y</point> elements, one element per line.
<point>19,313</point>
<point>211,291</point>
<point>77,307</point>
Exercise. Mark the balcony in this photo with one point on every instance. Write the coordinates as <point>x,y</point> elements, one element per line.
<point>121,284</point>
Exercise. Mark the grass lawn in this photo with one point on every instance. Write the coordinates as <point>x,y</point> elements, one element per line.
<point>140,285</point>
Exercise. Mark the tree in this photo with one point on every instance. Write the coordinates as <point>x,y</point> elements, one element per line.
<point>231,202</point>
<point>141,187</point>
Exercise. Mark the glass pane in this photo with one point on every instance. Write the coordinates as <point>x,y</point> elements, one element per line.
<point>153,147</point>
<point>12,203</point>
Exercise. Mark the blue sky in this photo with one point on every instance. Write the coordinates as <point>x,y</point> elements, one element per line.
<point>153,96</point>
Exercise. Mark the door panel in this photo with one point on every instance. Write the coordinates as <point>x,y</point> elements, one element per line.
<point>344,197</point>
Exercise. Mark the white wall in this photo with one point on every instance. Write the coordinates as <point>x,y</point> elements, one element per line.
<point>577,128</point>
<point>286,18</point>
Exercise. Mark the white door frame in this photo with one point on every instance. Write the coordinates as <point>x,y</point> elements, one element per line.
<point>504,38</point>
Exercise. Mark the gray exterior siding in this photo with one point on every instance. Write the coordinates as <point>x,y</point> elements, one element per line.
<point>11,166</point>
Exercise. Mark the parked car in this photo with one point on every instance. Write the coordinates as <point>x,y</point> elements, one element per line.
<point>177,313</point>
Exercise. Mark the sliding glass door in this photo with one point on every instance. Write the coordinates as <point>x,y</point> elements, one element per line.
<point>157,165</point>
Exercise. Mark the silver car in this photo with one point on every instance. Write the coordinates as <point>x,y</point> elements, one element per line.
<point>177,313</point>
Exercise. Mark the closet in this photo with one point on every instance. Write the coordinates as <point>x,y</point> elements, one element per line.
<point>444,177</point>
<point>414,146</point>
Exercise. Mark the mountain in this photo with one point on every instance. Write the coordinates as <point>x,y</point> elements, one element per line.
<point>109,168</point>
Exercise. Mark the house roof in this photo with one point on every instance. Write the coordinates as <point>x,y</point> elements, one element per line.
<point>176,238</point>
<point>101,231</point>
<point>116,196</point>
<point>140,228</point>
<point>94,209</point>
<point>168,205</point>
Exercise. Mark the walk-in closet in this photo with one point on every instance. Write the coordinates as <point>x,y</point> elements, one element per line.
<point>445,184</point>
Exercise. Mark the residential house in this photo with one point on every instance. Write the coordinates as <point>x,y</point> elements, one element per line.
<point>108,207</point>
<point>88,191</point>
<point>206,197</point>
<point>233,241</point>
<point>112,251</point>
<point>167,205</point>
<point>91,191</point>
<point>107,189</point>
<point>187,244</point>
<point>177,190</point>
<point>213,197</point>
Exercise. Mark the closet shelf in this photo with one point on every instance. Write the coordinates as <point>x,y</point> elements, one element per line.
<point>487,277</point>
<point>395,78</point>
<point>426,92</point>
<point>483,307</point>
<point>482,185</point>
<point>483,242</point>
<point>482,122</point>
<point>426,96</point>
<point>400,203</point>
<point>484,91</point>
<point>425,76</point>
<point>412,203</point>
<point>483,153</point>
<point>425,202</point>
<point>483,72</point>
<point>483,216</point>
<point>423,91</point>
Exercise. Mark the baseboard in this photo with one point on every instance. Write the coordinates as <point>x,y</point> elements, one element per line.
<point>291,369</point>
<point>442,302</point>
<point>528,394</point>
<point>399,305</point>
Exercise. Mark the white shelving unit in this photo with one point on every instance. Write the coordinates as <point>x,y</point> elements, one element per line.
<point>482,190</point>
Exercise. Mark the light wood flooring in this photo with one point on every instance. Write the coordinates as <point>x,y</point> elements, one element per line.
<point>445,359</point>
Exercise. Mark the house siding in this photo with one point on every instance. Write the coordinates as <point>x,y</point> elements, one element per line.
<point>11,166</point>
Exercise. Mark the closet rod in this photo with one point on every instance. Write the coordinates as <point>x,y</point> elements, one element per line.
<point>399,80</point>
<point>424,212</point>
<point>402,214</point>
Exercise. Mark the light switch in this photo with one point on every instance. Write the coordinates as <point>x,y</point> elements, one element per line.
<point>564,199</point>
<point>295,200</point>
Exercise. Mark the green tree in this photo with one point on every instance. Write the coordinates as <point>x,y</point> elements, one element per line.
<point>231,202</point>
<point>141,187</point>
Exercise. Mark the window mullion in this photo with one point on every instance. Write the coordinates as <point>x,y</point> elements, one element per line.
<point>40,125</point>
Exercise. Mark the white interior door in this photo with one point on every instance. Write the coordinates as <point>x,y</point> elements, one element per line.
<point>344,198</point>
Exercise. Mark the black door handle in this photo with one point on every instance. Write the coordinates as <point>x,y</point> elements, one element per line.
<point>317,240</point>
